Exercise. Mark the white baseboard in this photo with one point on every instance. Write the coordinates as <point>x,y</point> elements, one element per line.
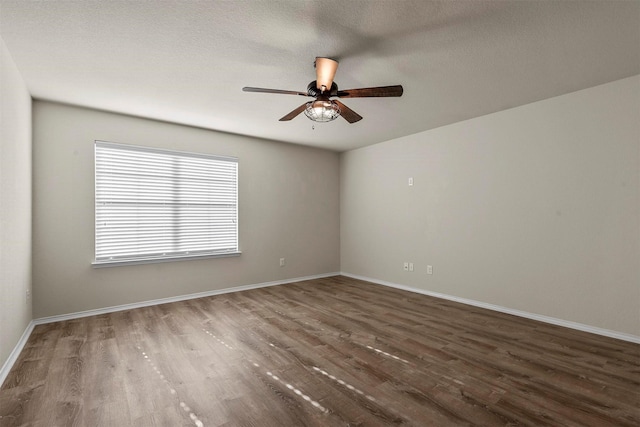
<point>105,310</point>
<point>546,319</point>
<point>8,364</point>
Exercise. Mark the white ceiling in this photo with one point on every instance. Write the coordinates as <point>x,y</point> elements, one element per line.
<point>187,61</point>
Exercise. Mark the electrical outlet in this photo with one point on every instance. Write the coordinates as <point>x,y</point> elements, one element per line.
<point>429,269</point>
<point>410,266</point>
<point>28,296</point>
<point>406,266</point>
<point>281,262</point>
<point>411,182</point>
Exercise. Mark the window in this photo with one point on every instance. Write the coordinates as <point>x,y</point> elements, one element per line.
<point>155,205</point>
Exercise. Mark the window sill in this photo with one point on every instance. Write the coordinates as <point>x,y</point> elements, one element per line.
<point>123,262</point>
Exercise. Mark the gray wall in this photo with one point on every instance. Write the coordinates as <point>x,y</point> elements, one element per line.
<point>535,208</point>
<point>288,198</point>
<point>15,205</point>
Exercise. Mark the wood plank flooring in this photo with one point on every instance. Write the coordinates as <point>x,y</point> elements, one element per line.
<point>327,352</point>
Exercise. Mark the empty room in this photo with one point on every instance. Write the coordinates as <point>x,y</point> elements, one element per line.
<point>319,213</point>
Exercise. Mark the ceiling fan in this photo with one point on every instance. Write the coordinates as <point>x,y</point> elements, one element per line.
<point>325,109</point>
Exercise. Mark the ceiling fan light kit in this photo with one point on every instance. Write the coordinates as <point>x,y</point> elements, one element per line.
<point>324,109</point>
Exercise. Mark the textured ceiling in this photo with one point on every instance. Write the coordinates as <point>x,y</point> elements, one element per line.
<point>187,61</point>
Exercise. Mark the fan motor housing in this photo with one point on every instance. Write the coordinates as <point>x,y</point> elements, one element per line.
<point>312,89</point>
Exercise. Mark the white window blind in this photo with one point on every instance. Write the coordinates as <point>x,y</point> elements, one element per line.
<point>155,204</point>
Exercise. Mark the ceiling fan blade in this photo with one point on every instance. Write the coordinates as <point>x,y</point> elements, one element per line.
<point>294,113</point>
<point>325,72</point>
<point>371,92</point>
<point>284,92</point>
<point>348,114</point>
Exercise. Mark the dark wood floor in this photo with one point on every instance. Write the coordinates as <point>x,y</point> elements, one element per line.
<point>328,352</point>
